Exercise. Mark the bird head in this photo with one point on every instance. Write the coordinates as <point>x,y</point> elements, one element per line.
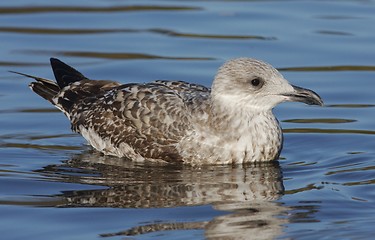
<point>251,83</point>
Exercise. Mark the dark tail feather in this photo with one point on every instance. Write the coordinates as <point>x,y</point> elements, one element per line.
<point>64,73</point>
<point>45,88</point>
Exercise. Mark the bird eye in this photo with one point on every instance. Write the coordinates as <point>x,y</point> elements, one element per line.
<point>255,82</point>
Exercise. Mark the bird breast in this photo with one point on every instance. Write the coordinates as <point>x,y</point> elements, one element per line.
<point>236,139</point>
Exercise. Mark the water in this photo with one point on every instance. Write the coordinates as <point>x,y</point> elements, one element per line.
<point>53,186</point>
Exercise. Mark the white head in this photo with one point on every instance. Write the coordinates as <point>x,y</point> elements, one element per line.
<point>247,82</point>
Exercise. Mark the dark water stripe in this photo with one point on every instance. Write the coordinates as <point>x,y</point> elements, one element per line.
<point>38,146</point>
<point>83,9</point>
<point>109,55</point>
<point>167,32</point>
<point>328,68</point>
<point>337,33</point>
<point>20,64</point>
<point>30,110</point>
<point>320,120</point>
<point>350,105</point>
<point>329,131</point>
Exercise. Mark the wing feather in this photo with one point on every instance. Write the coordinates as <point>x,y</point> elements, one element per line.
<point>150,118</point>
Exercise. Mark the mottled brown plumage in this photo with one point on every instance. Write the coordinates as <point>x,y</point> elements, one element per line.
<point>176,121</point>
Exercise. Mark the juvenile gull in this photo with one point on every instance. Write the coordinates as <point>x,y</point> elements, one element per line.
<point>176,121</point>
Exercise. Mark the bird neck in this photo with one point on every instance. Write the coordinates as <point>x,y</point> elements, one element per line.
<point>224,117</point>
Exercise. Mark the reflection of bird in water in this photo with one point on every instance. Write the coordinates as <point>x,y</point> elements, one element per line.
<point>143,185</point>
<point>174,121</point>
<point>245,194</point>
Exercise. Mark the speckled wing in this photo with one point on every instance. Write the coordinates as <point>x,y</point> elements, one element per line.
<point>187,91</point>
<point>150,118</point>
<point>140,121</point>
<point>195,97</point>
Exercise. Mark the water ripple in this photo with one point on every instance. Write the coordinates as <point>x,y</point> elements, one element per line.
<point>329,68</point>
<point>320,120</point>
<point>351,105</point>
<point>331,32</point>
<point>20,64</point>
<point>67,31</point>
<point>109,55</point>
<point>84,9</point>
<point>329,131</point>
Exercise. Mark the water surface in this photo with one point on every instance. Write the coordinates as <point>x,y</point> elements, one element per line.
<point>54,186</point>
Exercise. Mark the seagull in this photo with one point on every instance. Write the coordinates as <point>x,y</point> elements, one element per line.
<point>176,121</point>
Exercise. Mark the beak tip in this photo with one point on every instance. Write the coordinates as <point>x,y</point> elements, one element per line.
<point>318,101</point>
<point>306,96</point>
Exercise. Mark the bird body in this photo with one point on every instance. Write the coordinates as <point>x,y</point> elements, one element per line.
<point>176,121</point>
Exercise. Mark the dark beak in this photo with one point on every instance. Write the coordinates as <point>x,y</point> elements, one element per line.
<point>304,95</point>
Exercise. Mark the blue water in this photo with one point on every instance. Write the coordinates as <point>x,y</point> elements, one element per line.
<point>54,186</point>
